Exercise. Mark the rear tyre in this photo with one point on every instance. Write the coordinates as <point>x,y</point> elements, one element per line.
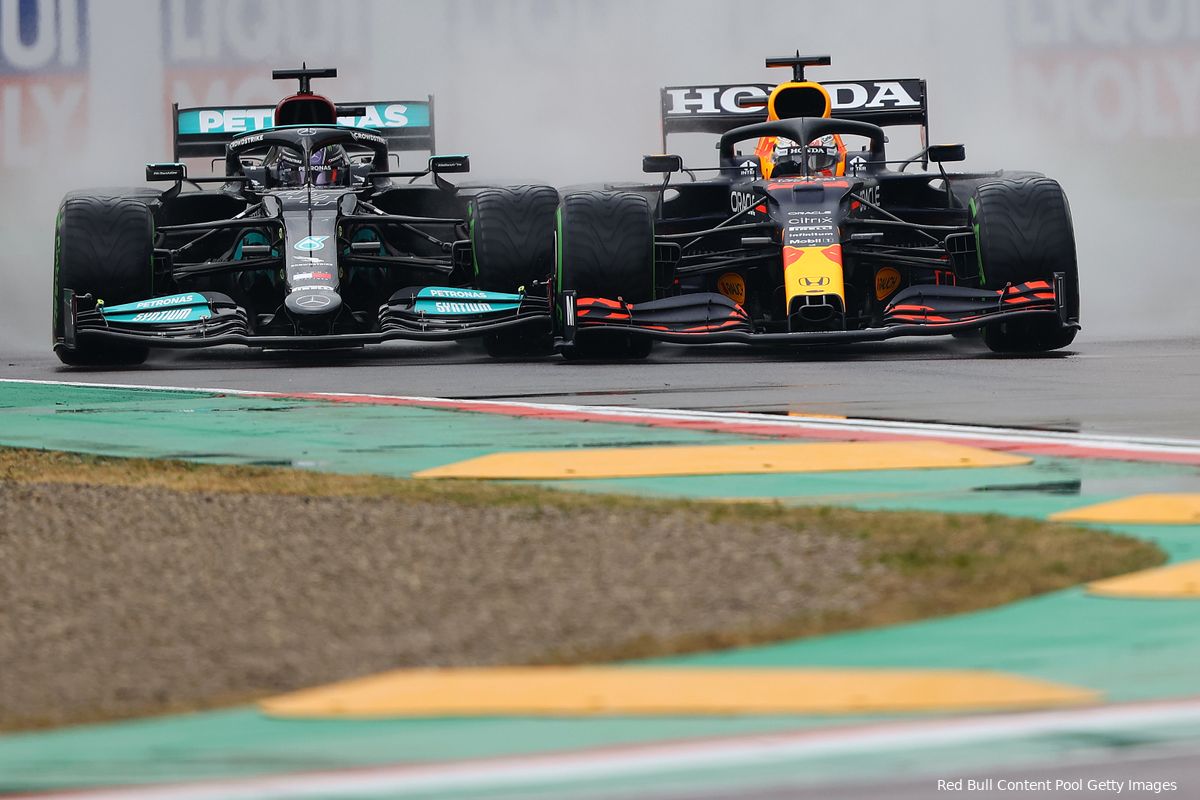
<point>103,246</point>
<point>1023,232</point>
<point>512,242</point>
<point>605,248</point>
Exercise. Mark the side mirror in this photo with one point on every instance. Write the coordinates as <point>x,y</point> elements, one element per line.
<point>166,172</point>
<point>947,153</point>
<point>447,164</point>
<point>662,163</point>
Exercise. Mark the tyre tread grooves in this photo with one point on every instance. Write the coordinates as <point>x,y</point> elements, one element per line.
<point>1026,233</point>
<point>104,247</point>
<point>513,235</point>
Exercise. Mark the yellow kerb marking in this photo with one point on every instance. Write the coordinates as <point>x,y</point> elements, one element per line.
<point>1142,509</point>
<point>753,459</point>
<point>574,691</point>
<point>1178,581</point>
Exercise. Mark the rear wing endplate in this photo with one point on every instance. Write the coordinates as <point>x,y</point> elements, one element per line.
<point>721,108</point>
<point>203,132</point>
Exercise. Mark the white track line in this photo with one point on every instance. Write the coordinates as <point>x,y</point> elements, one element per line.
<point>634,760</point>
<point>849,424</point>
<point>1077,444</point>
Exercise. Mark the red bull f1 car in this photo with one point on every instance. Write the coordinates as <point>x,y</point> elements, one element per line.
<point>308,238</point>
<point>809,232</point>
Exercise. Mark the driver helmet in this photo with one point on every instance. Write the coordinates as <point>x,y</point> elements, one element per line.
<point>825,157</point>
<point>330,166</point>
<point>327,166</point>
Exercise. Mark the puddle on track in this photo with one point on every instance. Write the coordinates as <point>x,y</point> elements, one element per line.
<point>1186,480</point>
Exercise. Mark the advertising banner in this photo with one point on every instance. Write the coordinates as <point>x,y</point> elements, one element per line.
<point>1110,72</point>
<point>43,77</point>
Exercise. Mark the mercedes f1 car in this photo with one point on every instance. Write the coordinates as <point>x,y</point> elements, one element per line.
<point>810,239</point>
<point>306,240</point>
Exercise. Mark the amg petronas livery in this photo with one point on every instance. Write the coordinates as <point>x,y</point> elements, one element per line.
<point>306,240</point>
<point>825,240</point>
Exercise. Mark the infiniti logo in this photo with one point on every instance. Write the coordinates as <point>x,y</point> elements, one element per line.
<point>313,301</point>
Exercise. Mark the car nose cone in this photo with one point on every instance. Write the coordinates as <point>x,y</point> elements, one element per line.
<point>313,302</point>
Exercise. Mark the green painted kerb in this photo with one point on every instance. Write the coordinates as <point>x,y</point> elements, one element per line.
<point>332,437</point>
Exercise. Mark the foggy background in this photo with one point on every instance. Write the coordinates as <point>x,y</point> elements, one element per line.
<point>1103,95</point>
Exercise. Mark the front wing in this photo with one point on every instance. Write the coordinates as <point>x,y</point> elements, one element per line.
<point>210,319</point>
<point>710,318</point>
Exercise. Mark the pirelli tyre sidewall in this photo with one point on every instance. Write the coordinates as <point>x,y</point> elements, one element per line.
<point>605,248</point>
<point>1023,232</point>
<point>103,246</point>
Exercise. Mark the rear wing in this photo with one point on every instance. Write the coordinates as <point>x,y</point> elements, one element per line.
<point>721,108</point>
<point>203,132</point>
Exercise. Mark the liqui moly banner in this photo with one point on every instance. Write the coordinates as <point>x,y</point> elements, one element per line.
<point>43,77</point>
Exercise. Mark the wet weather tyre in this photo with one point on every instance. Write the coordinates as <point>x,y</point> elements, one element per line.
<point>103,246</point>
<point>512,236</point>
<point>1023,232</point>
<point>512,246</point>
<point>605,248</point>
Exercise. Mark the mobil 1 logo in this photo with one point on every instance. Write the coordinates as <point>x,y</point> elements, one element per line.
<point>810,228</point>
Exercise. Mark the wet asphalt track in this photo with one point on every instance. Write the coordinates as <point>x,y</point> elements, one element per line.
<point>1146,388</point>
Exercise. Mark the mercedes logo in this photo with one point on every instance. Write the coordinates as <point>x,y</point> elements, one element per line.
<point>313,301</point>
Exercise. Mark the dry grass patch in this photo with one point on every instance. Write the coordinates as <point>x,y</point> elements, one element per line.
<point>133,586</point>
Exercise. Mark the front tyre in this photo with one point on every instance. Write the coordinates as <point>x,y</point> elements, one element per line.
<point>1023,232</point>
<point>512,236</point>
<point>103,246</point>
<point>605,248</point>
<point>512,245</point>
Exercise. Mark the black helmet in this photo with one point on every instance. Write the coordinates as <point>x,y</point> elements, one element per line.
<point>327,166</point>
